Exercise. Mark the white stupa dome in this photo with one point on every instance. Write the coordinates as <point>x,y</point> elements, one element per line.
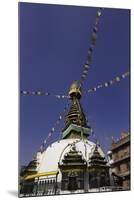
<point>55,152</point>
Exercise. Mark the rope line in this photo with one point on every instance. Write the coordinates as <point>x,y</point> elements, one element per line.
<point>54,128</point>
<point>42,93</point>
<point>115,80</point>
<point>93,39</point>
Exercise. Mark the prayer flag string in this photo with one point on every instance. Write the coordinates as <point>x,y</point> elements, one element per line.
<point>53,129</point>
<point>87,64</point>
<point>115,80</point>
<point>41,93</point>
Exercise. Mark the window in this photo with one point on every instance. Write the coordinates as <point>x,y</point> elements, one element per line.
<point>118,169</point>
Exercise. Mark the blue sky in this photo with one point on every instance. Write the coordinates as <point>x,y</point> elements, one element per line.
<point>54,40</point>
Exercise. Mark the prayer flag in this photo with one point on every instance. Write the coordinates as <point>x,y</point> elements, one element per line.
<point>117,78</point>
<point>99,86</point>
<point>86,66</point>
<point>85,71</point>
<point>49,134</point>
<point>25,92</point>
<point>45,141</point>
<point>99,13</point>
<point>39,93</point>
<point>47,93</point>
<point>95,29</point>
<point>106,84</point>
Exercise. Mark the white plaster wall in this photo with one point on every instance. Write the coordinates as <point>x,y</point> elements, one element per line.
<point>56,151</point>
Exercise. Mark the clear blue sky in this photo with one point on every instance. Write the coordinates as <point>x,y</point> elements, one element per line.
<point>54,41</point>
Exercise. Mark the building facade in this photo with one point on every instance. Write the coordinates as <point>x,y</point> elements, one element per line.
<point>120,160</point>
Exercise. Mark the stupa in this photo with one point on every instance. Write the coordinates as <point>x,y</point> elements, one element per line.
<point>73,164</point>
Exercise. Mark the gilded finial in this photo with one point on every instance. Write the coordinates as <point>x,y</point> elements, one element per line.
<point>75,90</point>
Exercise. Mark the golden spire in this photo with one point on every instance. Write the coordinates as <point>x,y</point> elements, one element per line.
<point>75,90</point>
<point>75,118</point>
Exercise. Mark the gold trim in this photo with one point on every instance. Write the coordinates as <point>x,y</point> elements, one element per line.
<point>41,174</point>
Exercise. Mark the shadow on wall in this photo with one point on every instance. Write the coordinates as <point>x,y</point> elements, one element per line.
<point>13,193</point>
